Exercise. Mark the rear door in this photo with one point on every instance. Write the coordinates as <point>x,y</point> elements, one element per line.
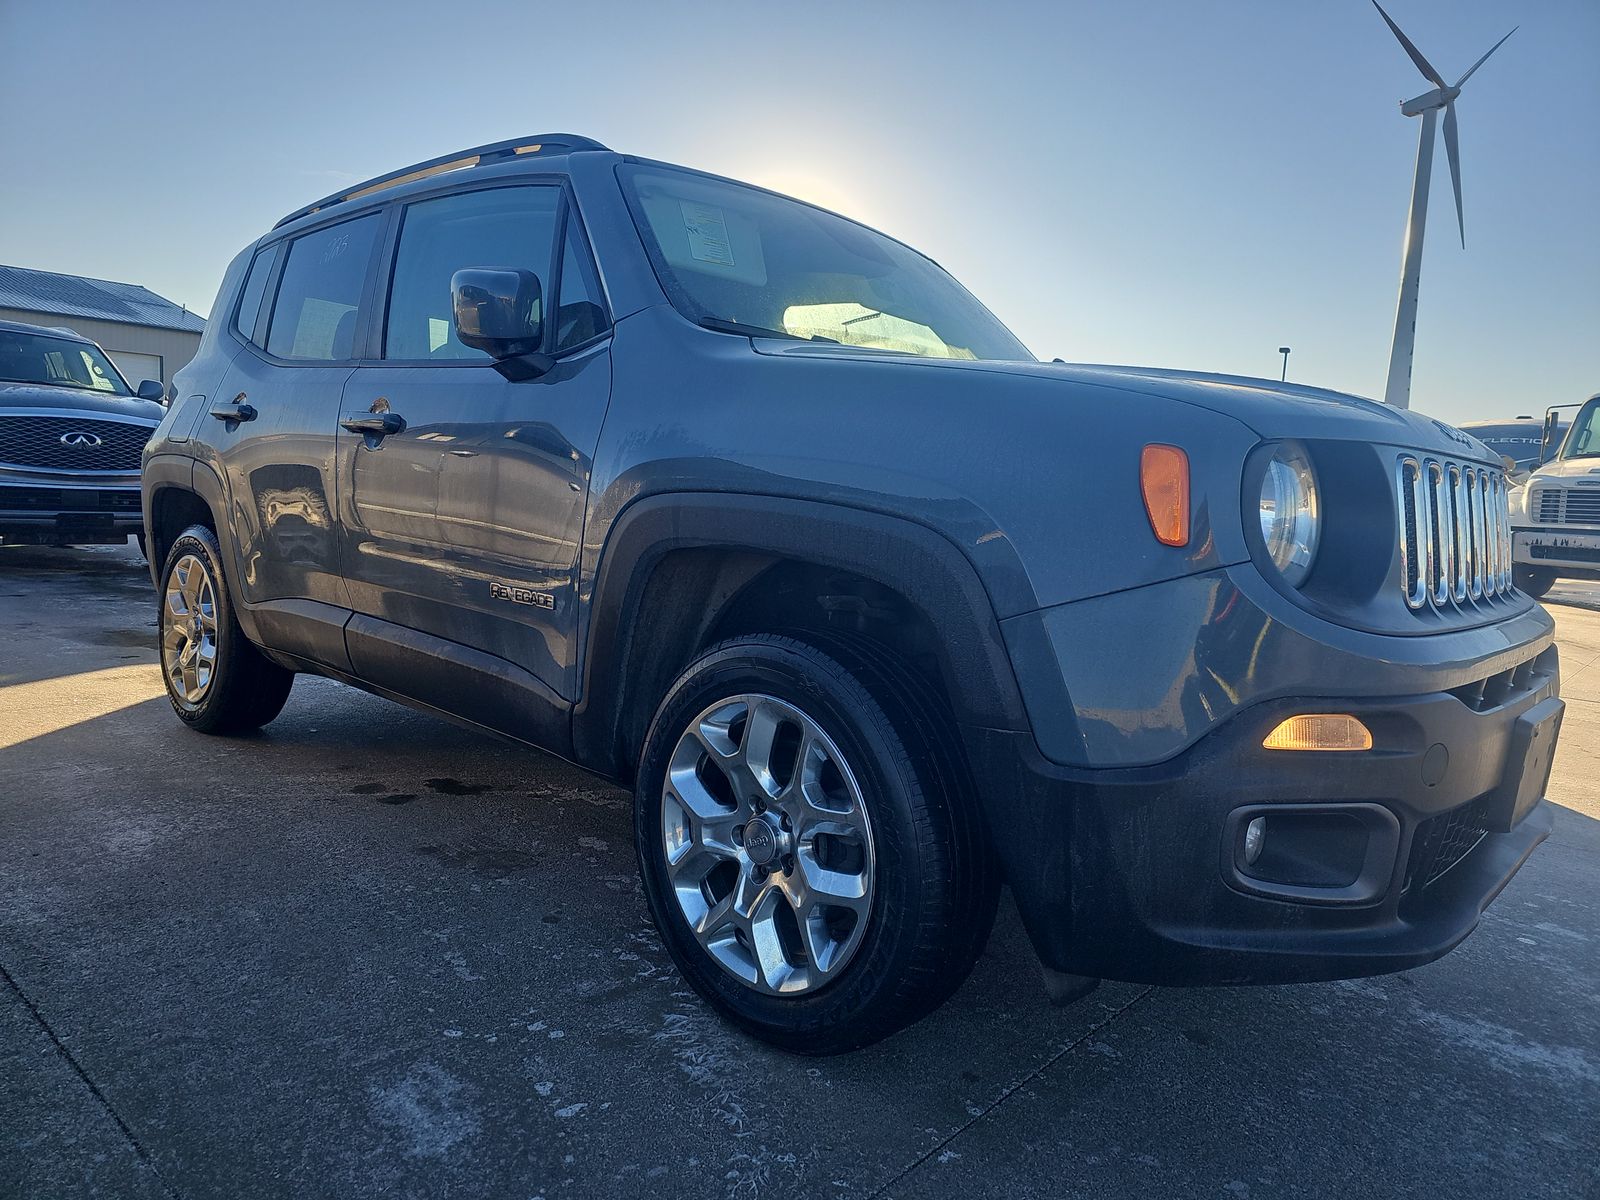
<point>464,524</point>
<point>275,415</point>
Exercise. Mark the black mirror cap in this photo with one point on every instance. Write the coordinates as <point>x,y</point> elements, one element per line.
<point>497,310</point>
<point>151,389</point>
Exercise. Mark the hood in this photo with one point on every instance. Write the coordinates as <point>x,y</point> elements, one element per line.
<point>1269,408</point>
<point>42,395</point>
<point>1586,470</point>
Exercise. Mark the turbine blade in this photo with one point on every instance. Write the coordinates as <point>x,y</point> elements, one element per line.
<point>1452,150</point>
<point>1423,64</point>
<point>1485,58</point>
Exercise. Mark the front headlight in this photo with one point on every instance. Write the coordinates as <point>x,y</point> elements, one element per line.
<point>1291,516</point>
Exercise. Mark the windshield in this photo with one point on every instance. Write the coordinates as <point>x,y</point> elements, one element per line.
<point>61,362</point>
<point>1583,439</point>
<point>735,258</point>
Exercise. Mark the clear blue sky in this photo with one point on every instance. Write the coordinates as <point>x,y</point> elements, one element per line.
<point>1172,183</point>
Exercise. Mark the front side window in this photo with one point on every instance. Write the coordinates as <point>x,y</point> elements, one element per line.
<point>512,227</point>
<point>314,317</point>
<point>61,362</point>
<point>1583,439</point>
<point>582,314</point>
<point>737,258</point>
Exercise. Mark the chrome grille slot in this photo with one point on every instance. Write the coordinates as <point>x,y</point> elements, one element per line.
<point>1455,533</point>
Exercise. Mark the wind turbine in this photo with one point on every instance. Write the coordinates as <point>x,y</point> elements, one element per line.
<point>1397,391</point>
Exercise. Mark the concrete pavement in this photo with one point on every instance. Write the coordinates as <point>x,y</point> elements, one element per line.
<point>367,953</point>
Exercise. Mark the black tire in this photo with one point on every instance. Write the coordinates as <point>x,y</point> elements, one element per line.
<point>936,886</point>
<point>143,550</point>
<point>1535,581</point>
<point>245,690</point>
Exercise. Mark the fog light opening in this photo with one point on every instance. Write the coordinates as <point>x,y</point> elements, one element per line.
<point>1255,839</point>
<point>1320,731</point>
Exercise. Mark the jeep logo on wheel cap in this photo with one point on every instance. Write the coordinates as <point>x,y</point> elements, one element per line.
<point>760,842</point>
<point>78,437</point>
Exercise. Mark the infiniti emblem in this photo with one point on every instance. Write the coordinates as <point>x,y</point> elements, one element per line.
<point>78,438</point>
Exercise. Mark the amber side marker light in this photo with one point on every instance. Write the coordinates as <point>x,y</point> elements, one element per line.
<point>1320,731</point>
<point>1164,479</point>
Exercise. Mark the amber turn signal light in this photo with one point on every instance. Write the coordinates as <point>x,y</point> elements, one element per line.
<point>1320,731</point>
<point>1164,479</point>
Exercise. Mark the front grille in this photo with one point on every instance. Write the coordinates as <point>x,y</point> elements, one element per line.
<point>1567,506</point>
<point>69,500</point>
<point>1443,841</point>
<point>102,445</point>
<point>1455,533</point>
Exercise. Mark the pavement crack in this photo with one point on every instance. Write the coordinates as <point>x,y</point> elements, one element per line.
<point>94,1088</point>
<point>1010,1090</point>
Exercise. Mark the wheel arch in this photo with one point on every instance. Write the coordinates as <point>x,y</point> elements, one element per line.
<point>676,568</point>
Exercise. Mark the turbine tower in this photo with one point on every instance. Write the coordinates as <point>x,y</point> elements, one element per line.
<point>1397,391</point>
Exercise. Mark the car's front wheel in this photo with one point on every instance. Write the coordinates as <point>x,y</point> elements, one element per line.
<point>217,680</point>
<point>807,857</point>
<point>1535,581</point>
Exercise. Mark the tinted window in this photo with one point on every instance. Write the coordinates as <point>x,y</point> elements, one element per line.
<point>255,286</point>
<point>582,314</point>
<point>315,314</point>
<point>502,227</point>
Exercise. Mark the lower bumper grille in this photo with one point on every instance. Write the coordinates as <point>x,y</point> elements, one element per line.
<point>1565,553</point>
<point>1443,841</point>
<point>69,500</point>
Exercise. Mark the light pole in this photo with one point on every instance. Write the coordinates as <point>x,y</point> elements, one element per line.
<point>1284,350</point>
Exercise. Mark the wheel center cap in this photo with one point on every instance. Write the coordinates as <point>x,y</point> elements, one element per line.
<point>761,841</point>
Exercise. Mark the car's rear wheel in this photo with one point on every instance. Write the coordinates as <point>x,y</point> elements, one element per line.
<point>807,857</point>
<point>1535,581</point>
<point>217,681</point>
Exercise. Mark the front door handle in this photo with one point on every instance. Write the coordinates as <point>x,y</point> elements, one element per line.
<point>234,410</point>
<point>379,424</point>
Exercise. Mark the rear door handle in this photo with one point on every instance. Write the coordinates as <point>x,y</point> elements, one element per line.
<point>373,424</point>
<point>233,410</point>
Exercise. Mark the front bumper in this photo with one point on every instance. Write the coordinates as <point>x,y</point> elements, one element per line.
<point>1136,873</point>
<point>51,512</point>
<point>1566,551</point>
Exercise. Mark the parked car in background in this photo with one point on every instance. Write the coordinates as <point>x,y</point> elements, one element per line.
<point>758,511</point>
<point>71,435</point>
<point>1518,442</point>
<point>1555,517</point>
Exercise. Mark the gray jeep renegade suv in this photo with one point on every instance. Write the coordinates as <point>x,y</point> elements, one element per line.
<point>757,510</point>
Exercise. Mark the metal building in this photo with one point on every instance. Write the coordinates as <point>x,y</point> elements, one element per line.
<point>146,335</point>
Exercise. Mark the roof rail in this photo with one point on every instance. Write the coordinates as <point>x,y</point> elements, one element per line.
<point>538,143</point>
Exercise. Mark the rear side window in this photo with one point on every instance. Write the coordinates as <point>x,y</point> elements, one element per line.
<point>511,227</point>
<point>315,314</point>
<point>255,287</point>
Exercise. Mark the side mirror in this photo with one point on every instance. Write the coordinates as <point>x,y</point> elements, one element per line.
<point>151,389</point>
<point>497,310</point>
<point>1547,446</point>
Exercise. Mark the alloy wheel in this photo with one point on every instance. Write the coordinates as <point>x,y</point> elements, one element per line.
<point>768,844</point>
<point>189,631</point>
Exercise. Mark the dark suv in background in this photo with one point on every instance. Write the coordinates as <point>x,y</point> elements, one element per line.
<point>71,435</point>
<point>758,511</point>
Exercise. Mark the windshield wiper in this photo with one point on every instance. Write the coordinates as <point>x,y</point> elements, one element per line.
<point>739,327</point>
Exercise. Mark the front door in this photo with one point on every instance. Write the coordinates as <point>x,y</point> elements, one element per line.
<point>463,524</point>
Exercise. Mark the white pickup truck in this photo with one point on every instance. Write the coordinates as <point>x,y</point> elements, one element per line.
<point>1555,516</point>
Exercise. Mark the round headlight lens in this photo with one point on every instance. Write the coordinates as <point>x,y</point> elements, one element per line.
<point>1291,517</point>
